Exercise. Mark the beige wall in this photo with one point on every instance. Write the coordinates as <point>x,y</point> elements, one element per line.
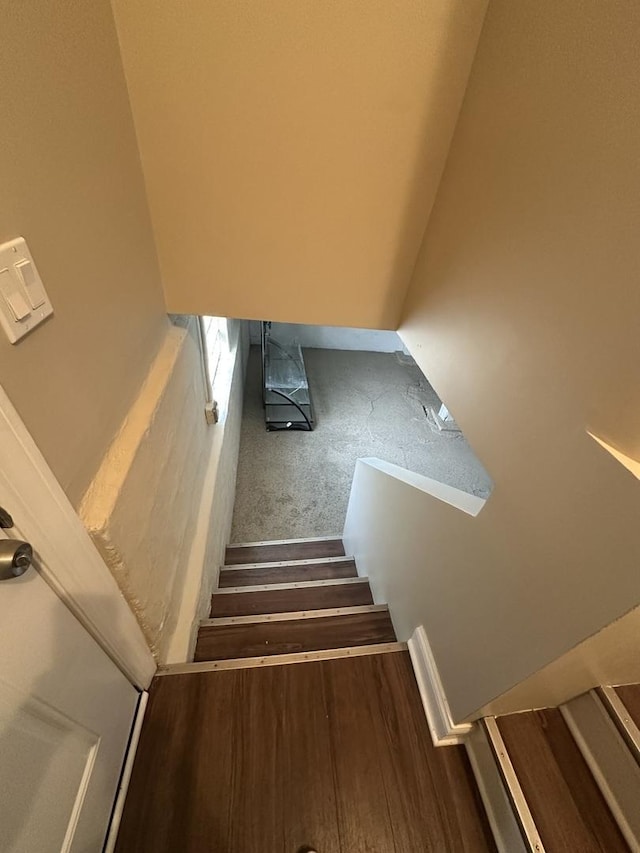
<point>523,312</point>
<point>292,148</point>
<point>71,184</point>
<point>612,656</point>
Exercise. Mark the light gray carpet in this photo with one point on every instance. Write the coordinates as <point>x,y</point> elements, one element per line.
<point>296,484</point>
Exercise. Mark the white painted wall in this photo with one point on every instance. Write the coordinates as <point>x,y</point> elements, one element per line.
<point>417,541</point>
<point>332,337</point>
<point>431,552</point>
<point>146,509</point>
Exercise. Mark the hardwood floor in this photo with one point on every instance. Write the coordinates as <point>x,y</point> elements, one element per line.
<point>283,600</point>
<point>217,642</point>
<point>319,571</point>
<point>334,754</point>
<point>567,806</point>
<point>268,552</point>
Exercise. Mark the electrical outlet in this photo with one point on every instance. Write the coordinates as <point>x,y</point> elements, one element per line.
<point>211,412</point>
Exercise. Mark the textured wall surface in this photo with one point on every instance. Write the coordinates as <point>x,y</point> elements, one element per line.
<point>142,506</point>
<point>72,185</point>
<point>292,148</point>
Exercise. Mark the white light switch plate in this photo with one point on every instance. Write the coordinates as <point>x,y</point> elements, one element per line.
<point>23,300</point>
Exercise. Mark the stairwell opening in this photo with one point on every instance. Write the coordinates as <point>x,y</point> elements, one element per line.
<point>369,398</point>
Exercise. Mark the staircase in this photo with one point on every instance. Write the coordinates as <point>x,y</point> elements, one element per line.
<point>563,779</point>
<point>560,780</point>
<point>298,725</point>
<point>298,600</point>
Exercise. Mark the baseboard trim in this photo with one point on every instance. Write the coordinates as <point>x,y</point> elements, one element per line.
<point>123,787</point>
<point>444,732</point>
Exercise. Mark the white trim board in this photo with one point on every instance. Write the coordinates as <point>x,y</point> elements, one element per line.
<point>444,732</point>
<point>73,567</point>
<point>127,770</point>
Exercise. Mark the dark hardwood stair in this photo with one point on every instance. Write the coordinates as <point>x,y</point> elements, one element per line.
<point>567,806</point>
<point>269,552</point>
<point>314,595</point>
<point>302,570</point>
<point>563,779</point>
<point>297,634</point>
<point>297,675</point>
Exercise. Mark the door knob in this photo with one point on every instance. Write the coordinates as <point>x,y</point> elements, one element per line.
<point>5,519</point>
<point>15,558</point>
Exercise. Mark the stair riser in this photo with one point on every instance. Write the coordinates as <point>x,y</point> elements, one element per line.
<point>280,660</point>
<point>269,553</point>
<point>285,600</point>
<point>296,635</point>
<point>287,574</point>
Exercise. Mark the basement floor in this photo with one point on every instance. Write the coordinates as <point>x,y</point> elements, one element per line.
<point>297,484</point>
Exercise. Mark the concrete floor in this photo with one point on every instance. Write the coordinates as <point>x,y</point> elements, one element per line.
<point>296,484</point>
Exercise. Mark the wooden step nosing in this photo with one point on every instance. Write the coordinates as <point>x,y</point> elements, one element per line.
<point>294,615</point>
<point>514,789</point>
<point>280,660</point>
<point>286,564</point>
<point>620,715</point>
<point>285,541</point>
<point>612,764</point>
<point>266,587</point>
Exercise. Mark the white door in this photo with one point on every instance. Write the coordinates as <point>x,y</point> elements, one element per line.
<point>66,712</point>
<point>66,709</point>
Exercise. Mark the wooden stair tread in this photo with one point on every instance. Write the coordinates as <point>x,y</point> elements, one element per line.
<point>568,809</point>
<point>271,553</point>
<point>287,573</point>
<point>630,696</point>
<point>295,635</point>
<point>336,753</point>
<point>283,600</point>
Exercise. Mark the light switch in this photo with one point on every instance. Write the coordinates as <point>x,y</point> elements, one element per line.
<point>23,300</point>
<point>13,297</point>
<point>32,284</point>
